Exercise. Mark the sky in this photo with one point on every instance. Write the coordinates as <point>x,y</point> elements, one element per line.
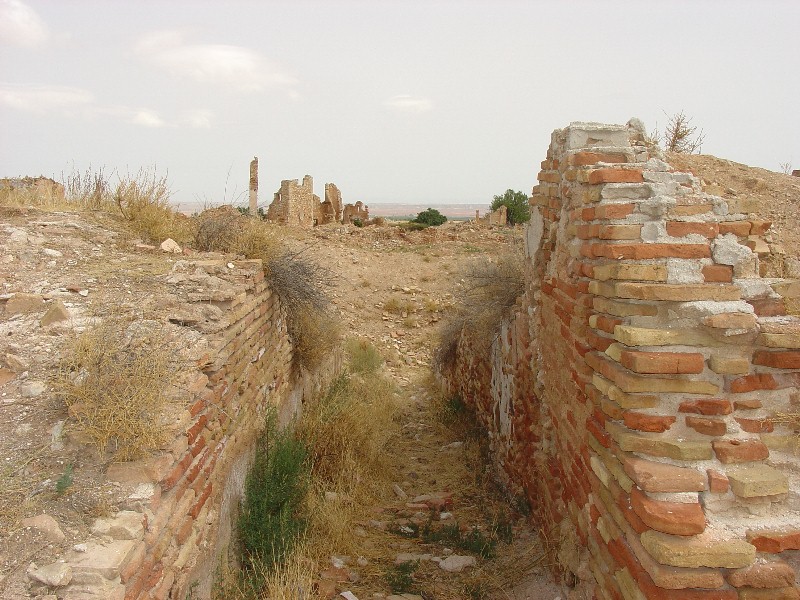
<point>394,101</point>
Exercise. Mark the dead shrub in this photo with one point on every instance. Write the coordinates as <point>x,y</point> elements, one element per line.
<point>113,382</point>
<point>680,135</point>
<point>298,281</point>
<point>314,336</point>
<point>491,288</point>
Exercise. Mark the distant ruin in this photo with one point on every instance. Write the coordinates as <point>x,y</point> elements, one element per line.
<point>493,218</point>
<point>297,204</point>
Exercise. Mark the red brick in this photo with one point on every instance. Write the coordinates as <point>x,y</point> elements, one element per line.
<point>768,307</point>
<point>775,542</point>
<point>676,518</point>
<point>646,251</point>
<point>755,425</point>
<point>739,228</point>
<point>777,360</point>
<point>613,211</point>
<point>683,228</point>
<point>763,575</point>
<point>177,472</point>
<point>718,274</point>
<point>662,362</point>
<point>755,381</point>
<point>738,451</point>
<point>598,342</point>
<point>607,324</point>
<point>615,176</point>
<point>712,406</point>
<point>644,422</point>
<point>717,482</point>
<point>751,404</point>
<point>707,425</point>
<point>195,429</point>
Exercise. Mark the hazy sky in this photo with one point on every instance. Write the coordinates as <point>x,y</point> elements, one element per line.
<point>399,101</point>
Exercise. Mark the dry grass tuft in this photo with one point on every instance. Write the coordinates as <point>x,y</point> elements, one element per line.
<point>491,289</point>
<point>346,433</point>
<point>399,306</point>
<point>113,381</point>
<point>143,200</point>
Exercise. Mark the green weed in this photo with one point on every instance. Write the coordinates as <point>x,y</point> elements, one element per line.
<point>65,481</point>
<point>401,577</point>
<point>272,520</point>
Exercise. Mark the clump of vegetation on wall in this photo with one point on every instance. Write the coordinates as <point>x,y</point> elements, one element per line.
<point>491,288</point>
<point>298,281</point>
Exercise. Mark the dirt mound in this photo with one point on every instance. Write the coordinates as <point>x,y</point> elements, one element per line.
<point>777,193</point>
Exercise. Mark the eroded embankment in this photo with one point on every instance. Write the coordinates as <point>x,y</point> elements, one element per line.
<point>643,394</point>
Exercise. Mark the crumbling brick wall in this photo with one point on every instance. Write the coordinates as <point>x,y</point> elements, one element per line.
<point>355,211</point>
<point>178,521</point>
<point>636,394</point>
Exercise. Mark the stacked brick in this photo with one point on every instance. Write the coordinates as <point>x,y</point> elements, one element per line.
<point>648,424</point>
<point>185,499</point>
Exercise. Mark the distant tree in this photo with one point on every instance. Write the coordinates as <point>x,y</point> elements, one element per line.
<point>430,217</point>
<point>519,211</point>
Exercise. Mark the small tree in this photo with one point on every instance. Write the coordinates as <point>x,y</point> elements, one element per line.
<point>680,135</point>
<point>430,217</point>
<point>519,210</point>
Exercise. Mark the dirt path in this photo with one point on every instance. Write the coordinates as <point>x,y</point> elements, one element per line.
<point>393,292</point>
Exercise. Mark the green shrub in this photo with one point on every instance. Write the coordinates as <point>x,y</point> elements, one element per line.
<point>272,520</point>
<point>357,222</point>
<point>430,217</point>
<point>519,210</point>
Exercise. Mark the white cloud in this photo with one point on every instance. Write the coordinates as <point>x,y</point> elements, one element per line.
<point>45,98</point>
<point>79,103</point>
<point>148,118</point>
<point>235,66</point>
<point>198,118</point>
<point>409,104</point>
<point>20,25</point>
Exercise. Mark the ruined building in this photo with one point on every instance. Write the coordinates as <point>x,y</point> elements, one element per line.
<point>294,203</point>
<point>493,218</point>
<point>355,211</point>
<point>297,204</point>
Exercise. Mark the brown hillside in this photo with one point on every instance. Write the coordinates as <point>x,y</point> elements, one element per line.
<point>778,194</point>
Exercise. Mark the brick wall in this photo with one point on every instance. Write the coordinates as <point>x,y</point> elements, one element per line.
<point>635,394</point>
<point>179,516</point>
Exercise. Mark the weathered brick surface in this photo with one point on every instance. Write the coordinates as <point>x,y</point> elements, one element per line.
<point>247,368</point>
<point>639,373</point>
